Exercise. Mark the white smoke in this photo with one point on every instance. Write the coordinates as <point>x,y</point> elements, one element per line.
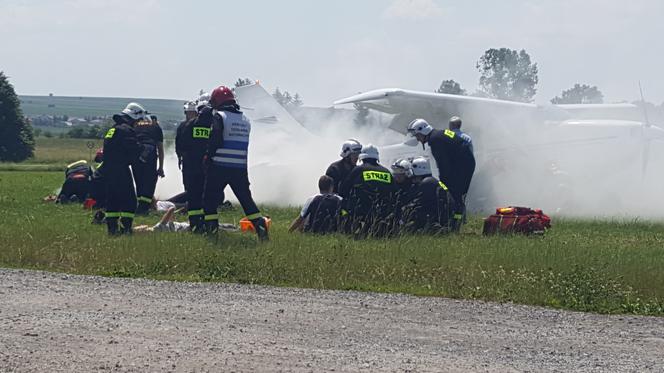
<point>592,170</point>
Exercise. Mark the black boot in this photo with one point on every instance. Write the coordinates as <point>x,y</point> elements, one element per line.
<point>211,226</point>
<point>143,208</point>
<point>197,224</point>
<point>112,225</point>
<point>261,229</point>
<point>126,225</point>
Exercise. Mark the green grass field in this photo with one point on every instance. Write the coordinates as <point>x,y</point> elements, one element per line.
<point>598,266</point>
<point>166,110</point>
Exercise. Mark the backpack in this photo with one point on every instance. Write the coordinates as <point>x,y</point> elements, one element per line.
<point>513,220</point>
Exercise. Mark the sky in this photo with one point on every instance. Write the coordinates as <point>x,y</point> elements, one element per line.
<point>324,50</point>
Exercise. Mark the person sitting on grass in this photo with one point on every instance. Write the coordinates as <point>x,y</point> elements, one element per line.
<point>320,213</point>
<point>167,223</point>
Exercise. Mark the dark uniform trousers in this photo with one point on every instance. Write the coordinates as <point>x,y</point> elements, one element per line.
<point>121,198</point>
<point>216,181</point>
<point>145,176</point>
<point>193,179</point>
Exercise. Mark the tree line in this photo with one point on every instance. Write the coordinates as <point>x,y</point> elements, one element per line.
<point>508,74</point>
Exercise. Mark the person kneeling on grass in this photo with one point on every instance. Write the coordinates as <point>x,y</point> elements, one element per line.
<point>168,224</point>
<point>320,212</point>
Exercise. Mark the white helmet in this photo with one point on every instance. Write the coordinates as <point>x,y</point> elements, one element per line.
<point>369,152</point>
<point>349,147</point>
<point>402,167</point>
<point>202,101</point>
<point>420,126</point>
<point>135,111</point>
<point>421,166</point>
<point>190,106</point>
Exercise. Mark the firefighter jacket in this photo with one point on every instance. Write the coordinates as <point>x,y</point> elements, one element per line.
<point>339,171</point>
<point>370,190</point>
<point>191,142</point>
<point>121,147</point>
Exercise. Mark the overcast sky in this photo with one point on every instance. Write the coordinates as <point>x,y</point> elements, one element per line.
<point>324,50</point>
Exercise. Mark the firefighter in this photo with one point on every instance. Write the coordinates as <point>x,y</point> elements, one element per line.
<point>191,143</point>
<point>228,147</point>
<point>339,170</point>
<point>370,191</point>
<point>455,162</point>
<point>146,172</point>
<point>404,191</point>
<point>429,209</point>
<point>455,125</point>
<point>121,149</point>
<point>77,182</point>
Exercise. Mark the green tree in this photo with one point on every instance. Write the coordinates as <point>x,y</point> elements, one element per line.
<point>287,100</point>
<point>242,82</point>
<point>508,75</point>
<point>451,87</point>
<point>580,94</point>
<point>17,141</point>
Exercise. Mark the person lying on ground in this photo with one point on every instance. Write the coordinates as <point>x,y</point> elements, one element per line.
<point>167,223</point>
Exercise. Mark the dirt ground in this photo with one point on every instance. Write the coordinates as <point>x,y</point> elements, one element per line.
<point>56,322</point>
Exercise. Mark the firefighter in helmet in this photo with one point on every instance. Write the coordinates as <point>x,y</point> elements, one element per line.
<point>227,153</point>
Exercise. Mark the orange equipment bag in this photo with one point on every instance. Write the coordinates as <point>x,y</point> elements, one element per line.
<point>522,220</point>
<point>247,226</point>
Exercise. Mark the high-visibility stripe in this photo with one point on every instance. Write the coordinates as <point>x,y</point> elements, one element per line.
<point>110,133</point>
<point>458,216</point>
<point>145,199</point>
<point>77,163</point>
<point>211,217</point>
<point>112,214</point>
<point>442,185</point>
<point>254,216</point>
<point>229,160</point>
<point>195,212</point>
<point>127,215</point>
<point>450,134</point>
<point>231,152</point>
<point>344,212</point>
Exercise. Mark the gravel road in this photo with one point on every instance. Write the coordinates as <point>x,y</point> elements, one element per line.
<point>55,322</point>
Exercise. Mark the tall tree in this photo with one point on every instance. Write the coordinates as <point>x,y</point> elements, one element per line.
<point>508,75</point>
<point>580,94</point>
<point>242,82</point>
<point>287,100</point>
<point>17,141</point>
<point>451,87</point>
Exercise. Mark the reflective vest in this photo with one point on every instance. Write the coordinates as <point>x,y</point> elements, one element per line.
<point>233,150</point>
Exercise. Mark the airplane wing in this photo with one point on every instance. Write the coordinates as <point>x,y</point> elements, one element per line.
<point>437,108</point>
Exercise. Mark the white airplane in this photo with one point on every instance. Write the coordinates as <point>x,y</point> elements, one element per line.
<point>554,156</point>
<point>544,156</point>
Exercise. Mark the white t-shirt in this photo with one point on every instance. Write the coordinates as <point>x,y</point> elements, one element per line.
<point>307,203</point>
<point>163,206</point>
<point>172,226</point>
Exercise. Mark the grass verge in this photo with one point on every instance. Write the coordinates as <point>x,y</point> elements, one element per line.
<point>592,265</point>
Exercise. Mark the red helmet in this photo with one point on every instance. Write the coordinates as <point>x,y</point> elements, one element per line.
<point>221,95</point>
